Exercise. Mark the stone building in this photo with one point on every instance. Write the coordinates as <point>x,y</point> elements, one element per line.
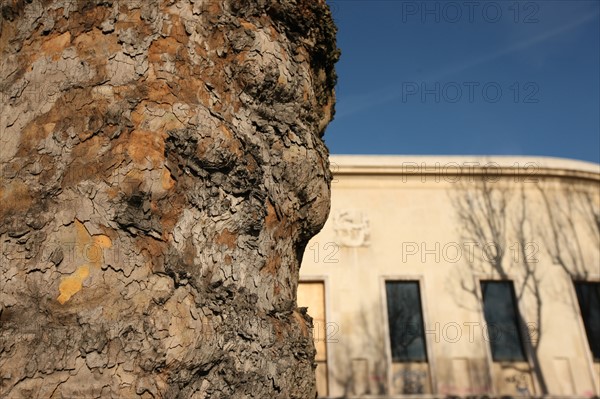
<point>442,276</point>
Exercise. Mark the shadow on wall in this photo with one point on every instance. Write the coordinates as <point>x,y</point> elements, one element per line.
<point>362,369</point>
<point>508,224</point>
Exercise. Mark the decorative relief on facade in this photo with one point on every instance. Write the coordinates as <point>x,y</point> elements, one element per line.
<point>352,228</point>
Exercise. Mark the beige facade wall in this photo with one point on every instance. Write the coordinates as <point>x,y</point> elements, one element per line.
<point>438,221</point>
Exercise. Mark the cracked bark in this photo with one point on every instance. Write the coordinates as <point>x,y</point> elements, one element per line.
<point>162,171</point>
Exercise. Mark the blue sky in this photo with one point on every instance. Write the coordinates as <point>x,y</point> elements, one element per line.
<point>499,77</point>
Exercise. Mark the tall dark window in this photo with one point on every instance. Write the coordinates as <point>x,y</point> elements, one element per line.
<point>588,295</point>
<point>501,317</point>
<point>405,319</point>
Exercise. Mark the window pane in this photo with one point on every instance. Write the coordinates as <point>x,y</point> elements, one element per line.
<point>588,295</point>
<point>502,324</point>
<point>406,321</point>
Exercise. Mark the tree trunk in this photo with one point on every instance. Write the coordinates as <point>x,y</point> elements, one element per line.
<point>162,171</point>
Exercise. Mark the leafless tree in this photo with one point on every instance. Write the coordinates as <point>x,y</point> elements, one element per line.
<point>485,219</point>
<point>371,347</point>
<point>565,209</point>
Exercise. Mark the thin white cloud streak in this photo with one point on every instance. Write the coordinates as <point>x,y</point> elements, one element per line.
<point>386,95</point>
<point>518,46</point>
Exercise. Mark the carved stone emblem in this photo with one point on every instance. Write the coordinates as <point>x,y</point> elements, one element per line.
<point>352,228</point>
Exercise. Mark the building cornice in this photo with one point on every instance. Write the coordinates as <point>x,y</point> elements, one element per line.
<point>496,166</point>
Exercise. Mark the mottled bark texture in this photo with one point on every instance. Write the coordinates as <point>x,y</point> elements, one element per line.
<point>162,170</point>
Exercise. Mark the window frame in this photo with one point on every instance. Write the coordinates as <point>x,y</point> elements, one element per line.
<point>426,354</point>
<point>518,319</point>
<point>429,343</point>
<point>584,324</point>
<point>320,278</point>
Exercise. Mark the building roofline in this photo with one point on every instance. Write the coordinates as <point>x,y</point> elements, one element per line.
<point>424,165</point>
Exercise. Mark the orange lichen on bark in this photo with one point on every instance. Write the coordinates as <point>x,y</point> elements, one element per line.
<point>227,238</point>
<point>72,284</point>
<point>233,144</point>
<point>278,228</point>
<point>248,25</point>
<point>146,145</point>
<point>164,46</point>
<point>31,135</point>
<point>56,45</point>
<point>96,48</point>
<point>170,216</point>
<point>160,92</point>
<point>166,180</point>
<point>272,264</point>
<point>301,322</point>
<point>178,29</point>
<point>89,249</point>
<point>271,220</point>
<point>153,252</point>
<point>15,197</point>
